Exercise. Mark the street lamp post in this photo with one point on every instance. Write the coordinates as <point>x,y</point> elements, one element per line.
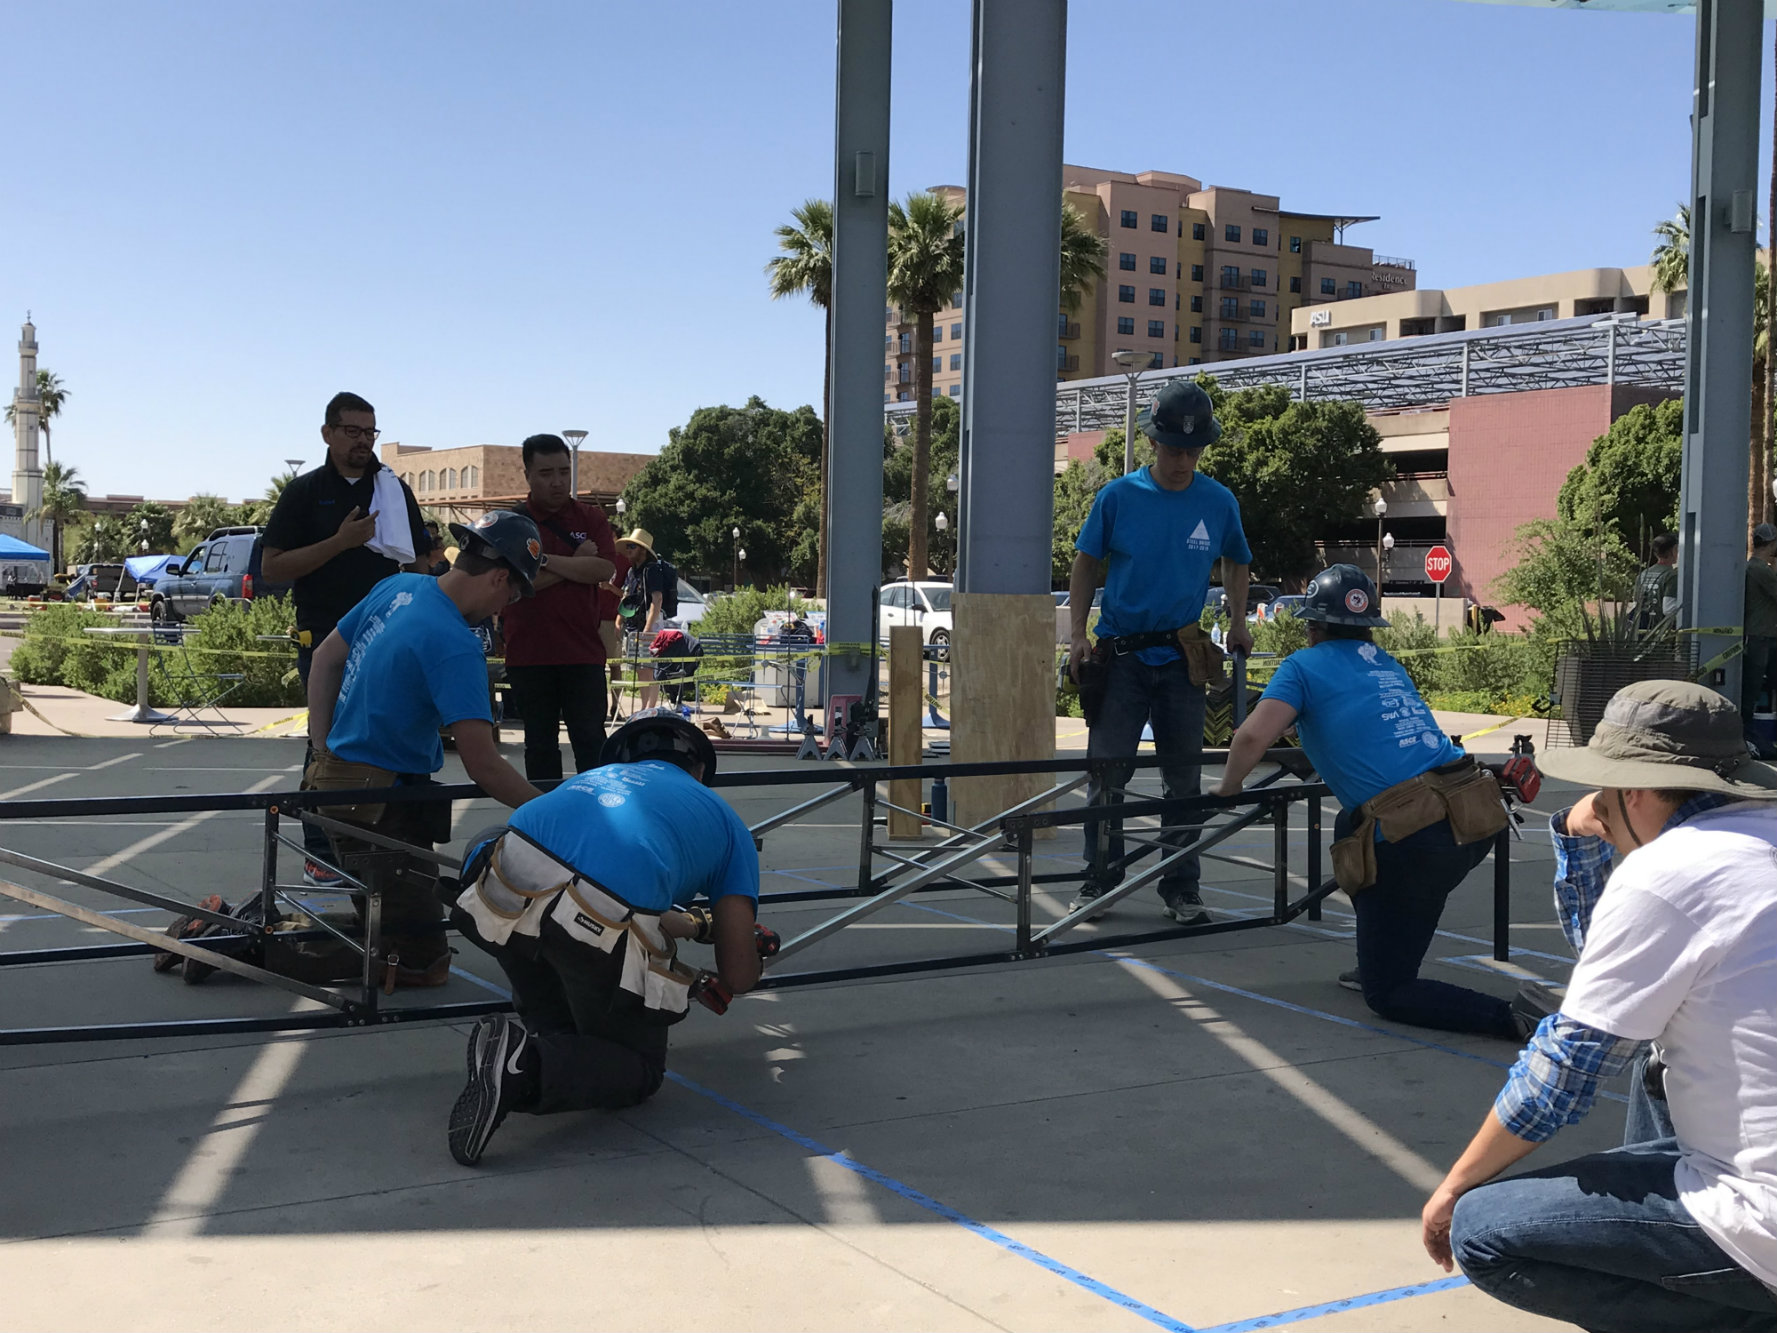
<point>294,464</point>
<point>941,522</point>
<point>1380,509</point>
<point>737,559</point>
<point>575,439</point>
<point>622,508</point>
<point>1131,364</point>
<point>1387,555</point>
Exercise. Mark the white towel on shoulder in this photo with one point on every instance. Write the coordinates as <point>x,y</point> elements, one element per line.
<point>394,534</point>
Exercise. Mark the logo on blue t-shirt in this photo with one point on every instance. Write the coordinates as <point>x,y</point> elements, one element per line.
<point>1199,538</point>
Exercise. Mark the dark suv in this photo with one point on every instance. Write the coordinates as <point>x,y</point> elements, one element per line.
<point>222,568</point>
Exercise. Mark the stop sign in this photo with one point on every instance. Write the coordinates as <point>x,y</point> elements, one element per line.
<point>1438,562</point>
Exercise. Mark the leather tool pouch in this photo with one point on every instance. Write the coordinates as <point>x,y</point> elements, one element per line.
<point>1463,792</point>
<point>328,772</point>
<point>1094,679</point>
<point>1204,658</point>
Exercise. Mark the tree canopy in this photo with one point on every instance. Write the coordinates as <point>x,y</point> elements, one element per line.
<point>1298,470</point>
<point>1631,475</point>
<point>748,467</point>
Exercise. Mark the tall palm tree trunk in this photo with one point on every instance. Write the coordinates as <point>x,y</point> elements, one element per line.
<point>922,447</point>
<point>820,559</point>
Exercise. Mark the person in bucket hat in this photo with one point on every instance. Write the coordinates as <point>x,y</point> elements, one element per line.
<point>1677,983</point>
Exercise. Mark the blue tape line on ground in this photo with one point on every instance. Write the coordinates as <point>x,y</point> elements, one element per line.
<point>1156,1317</point>
<point>1340,1307</point>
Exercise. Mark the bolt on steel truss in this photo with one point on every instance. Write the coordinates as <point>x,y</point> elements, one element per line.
<point>1422,372</point>
<point>947,865</point>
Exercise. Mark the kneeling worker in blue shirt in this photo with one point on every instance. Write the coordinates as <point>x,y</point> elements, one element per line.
<point>402,664</point>
<point>1417,814</point>
<point>582,899</point>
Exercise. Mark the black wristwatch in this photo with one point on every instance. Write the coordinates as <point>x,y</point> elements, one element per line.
<point>543,561</point>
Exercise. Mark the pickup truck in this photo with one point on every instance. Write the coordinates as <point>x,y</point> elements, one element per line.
<point>222,568</point>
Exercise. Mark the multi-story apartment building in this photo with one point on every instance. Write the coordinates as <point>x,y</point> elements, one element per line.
<point>1554,296</point>
<point>1193,275</point>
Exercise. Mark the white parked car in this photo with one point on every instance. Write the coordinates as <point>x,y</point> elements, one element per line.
<point>926,605</point>
<point>692,605</point>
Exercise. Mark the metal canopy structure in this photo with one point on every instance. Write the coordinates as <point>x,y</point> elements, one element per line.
<point>1421,372</point>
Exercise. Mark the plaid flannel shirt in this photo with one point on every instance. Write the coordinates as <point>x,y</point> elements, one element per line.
<point>1555,1080</point>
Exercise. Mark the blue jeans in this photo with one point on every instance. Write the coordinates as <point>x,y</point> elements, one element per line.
<point>1604,1242</point>
<point>1396,919</point>
<point>1136,693</point>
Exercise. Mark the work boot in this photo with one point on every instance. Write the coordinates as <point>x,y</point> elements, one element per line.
<point>502,1074</point>
<point>1352,980</point>
<point>435,973</point>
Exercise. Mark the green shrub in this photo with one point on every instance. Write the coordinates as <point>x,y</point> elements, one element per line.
<point>56,651</point>
<point>49,635</point>
<point>224,640</point>
<point>739,612</point>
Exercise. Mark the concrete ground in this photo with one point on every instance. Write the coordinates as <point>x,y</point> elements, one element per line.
<point>1204,1134</point>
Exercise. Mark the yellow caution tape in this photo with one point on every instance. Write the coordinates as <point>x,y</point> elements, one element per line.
<point>31,708</point>
<point>270,726</point>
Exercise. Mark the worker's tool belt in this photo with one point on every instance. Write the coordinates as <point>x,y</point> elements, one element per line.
<point>1462,792</point>
<point>513,885</point>
<point>1202,656</point>
<point>328,772</point>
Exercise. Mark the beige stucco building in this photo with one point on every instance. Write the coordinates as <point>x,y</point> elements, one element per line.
<point>1410,314</point>
<point>462,482</point>
<point>1193,275</point>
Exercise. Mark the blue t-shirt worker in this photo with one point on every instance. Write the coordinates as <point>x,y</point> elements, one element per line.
<point>1152,539</point>
<point>1369,734</point>
<point>399,666</point>
<point>581,899</point>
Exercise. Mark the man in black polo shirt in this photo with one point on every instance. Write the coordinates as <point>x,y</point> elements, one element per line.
<point>323,538</point>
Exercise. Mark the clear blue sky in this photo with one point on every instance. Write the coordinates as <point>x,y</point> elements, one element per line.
<point>495,219</point>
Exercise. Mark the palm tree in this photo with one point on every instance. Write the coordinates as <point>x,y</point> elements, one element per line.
<point>1672,268</point>
<point>202,515</point>
<point>64,495</point>
<point>1083,253</point>
<point>50,396</point>
<point>925,266</point>
<point>1082,259</point>
<point>261,510</point>
<point>806,268</point>
<point>1672,256</point>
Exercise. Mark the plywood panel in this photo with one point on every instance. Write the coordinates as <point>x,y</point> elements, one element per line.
<point>1002,696</point>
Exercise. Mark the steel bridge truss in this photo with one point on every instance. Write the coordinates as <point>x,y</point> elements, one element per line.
<point>1422,372</point>
<point>947,865</point>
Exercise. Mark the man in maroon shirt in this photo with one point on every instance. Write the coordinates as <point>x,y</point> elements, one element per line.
<point>555,657</point>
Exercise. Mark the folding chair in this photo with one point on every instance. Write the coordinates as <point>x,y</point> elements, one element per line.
<point>197,691</point>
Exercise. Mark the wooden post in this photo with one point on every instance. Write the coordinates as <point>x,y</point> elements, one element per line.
<point>906,738</point>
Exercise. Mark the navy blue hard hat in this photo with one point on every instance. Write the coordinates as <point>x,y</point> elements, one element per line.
<point>660,733</point>
<point>507,537</point>
<point>1342,595</point>
<point>1181,417</point>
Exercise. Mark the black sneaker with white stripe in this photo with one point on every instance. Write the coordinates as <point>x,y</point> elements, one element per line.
<point>499,1056</point>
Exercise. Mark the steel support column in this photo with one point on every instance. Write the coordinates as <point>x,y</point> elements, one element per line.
<point>1012,294</point>
<point>1718,372</point>
<point>860,286</point>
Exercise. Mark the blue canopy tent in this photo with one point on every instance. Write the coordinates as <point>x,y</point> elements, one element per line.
<point>145,569</point>
<point>23,567</point>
